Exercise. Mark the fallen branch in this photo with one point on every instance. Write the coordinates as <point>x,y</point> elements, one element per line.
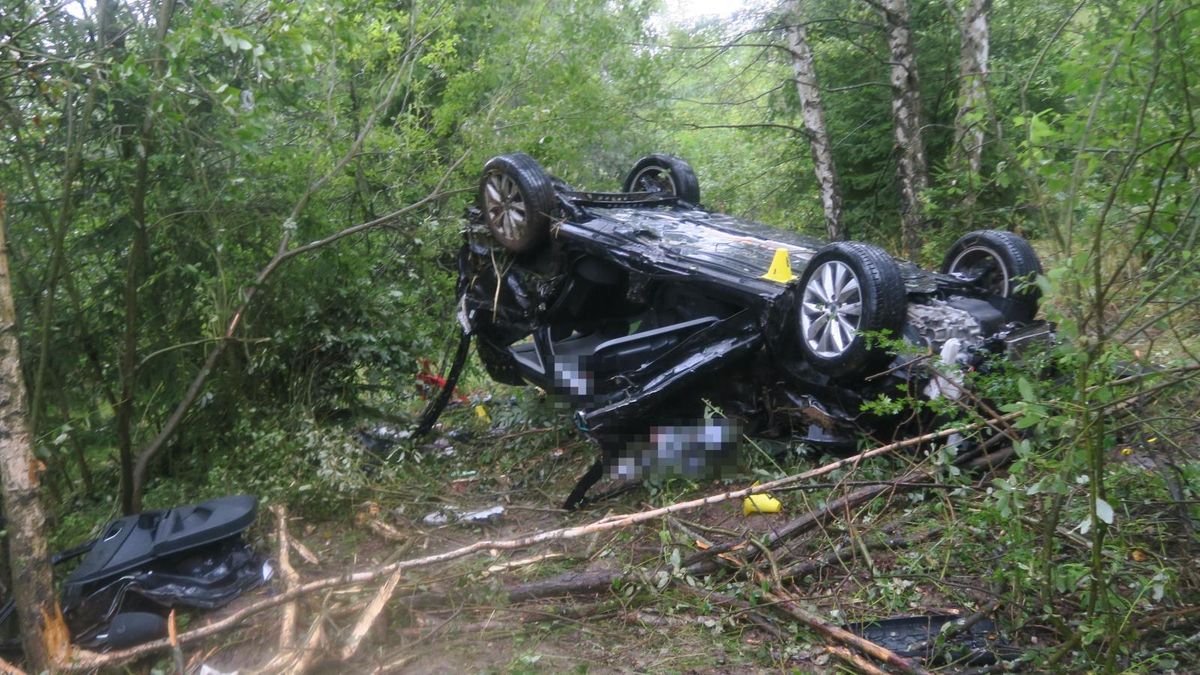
<point>287,629</point>
<point>799,570</point>
<point>297,661</point>
<point>523,562</point>
<point>303,551</point>
<point>386,531</point>
<point>368,618</point>
<point>810,519</point>
<point>754,615</point>
<point>956,627</point>
<point>568,583</point>
<point>394,665</point>
<point>845,637</point>
<point>706,561</point>
<point>858,663</point>
<point>83,660</point>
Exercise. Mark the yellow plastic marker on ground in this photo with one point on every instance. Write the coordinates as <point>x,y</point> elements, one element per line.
<point>763,503</point>
<point>781,267</point>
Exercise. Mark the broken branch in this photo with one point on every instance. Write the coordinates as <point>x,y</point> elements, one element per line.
<point>88,660</point>
<point>287,631</point>
<point>367,620</point>
<point>845,637</point>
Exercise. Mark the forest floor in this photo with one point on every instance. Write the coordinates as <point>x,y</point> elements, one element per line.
<point>909,550</point>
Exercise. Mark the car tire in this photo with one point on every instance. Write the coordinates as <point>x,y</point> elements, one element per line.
<point>498,363</point>
<point>664,173</point>
<point>847,289</point>
<point>999,262</point>
<point>516,197</point>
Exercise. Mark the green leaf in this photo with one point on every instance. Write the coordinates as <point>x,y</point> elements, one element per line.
<point>1026,390</point>
<point>1104,511</point>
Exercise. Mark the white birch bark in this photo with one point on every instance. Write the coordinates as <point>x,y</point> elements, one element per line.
<point>813,114</point>
<point>912,172</point>
<point>972,97</point>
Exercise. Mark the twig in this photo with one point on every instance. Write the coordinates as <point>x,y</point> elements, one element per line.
<point>303,551</point>
<point>387,531</point>
<point>756,617</point>
<point>310,648</point>
<point>523,562</point>
<point>858,663</point>
<point>799,570</point>
<point>367,620</point>
<point>83,660</point>
<point>394,665</point>
<point>956,627</point>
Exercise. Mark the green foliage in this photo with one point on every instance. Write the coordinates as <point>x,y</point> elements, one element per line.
<point>150,181</point>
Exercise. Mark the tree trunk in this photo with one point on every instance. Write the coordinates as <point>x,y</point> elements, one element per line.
<point>813,114</point>
<point>43,633</point>
<point>139,251</point>
<point>907,124</point>
<point>967,154</point>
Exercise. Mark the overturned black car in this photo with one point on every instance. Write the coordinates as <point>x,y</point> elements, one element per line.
<point>645,310</point>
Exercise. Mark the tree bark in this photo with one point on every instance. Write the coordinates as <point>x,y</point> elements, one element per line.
<point>138,253</point>
<point>43,633</point>
<point>813,114</point>
<point>967,154</point>
<point>907,124</point>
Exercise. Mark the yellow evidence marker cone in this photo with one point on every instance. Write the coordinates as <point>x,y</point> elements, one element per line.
<point>761,503</point>
<point>781,267</point>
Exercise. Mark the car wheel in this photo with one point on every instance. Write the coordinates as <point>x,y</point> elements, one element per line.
<point>999,263</point>
<point>664,173</point>
<point>517,197</point>
<point>498,363</point>
<point>847,289</point>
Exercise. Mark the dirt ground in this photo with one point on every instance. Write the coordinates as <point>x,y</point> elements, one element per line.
<point>906,552</point>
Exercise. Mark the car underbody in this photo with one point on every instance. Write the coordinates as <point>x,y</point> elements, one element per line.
<point>673,330</point>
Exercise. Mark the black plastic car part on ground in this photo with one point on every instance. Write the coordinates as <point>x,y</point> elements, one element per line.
<point>144,564</point>
<point>649,312</point>
<point>976,643</point>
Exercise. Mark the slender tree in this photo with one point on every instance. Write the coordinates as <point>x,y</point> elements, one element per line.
<point>967,153</point>
<point>43,633</point>
<point>813,114</point>
<point>907,122</point>
<point>138,254</point>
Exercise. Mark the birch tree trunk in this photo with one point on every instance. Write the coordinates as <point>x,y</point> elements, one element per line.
<point>43,633</point>
<point>907,123</point>
<point>972,79</point>
<point>813,114</point>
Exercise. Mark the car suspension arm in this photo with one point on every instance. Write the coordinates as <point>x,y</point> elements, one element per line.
<point>434,410</point>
